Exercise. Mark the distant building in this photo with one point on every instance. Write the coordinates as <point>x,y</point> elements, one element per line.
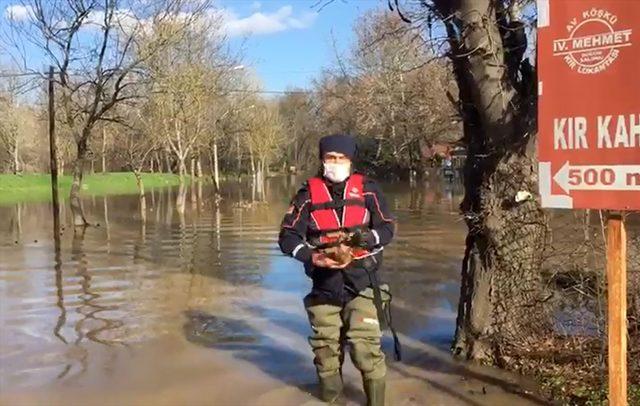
<point>437,153</point>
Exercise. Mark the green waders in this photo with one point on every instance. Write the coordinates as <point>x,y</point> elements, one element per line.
<point>356,322</point>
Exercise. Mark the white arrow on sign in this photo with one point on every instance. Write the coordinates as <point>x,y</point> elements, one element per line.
<point>598,177</point>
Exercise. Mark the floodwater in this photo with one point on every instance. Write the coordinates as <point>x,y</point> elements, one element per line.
<point>198,306</point>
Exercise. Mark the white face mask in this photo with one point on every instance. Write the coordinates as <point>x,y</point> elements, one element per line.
<point>337,173</point>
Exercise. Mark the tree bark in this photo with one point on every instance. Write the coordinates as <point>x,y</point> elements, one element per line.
<point>75,203</point>
<point>502,295</point>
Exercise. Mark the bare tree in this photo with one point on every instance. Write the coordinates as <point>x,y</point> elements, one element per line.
<point>10,126</point>
<point>187,80</point>
<point>264,139</point>
<point>502,296</point>
<point>94,47</point>
<point>136,146</point>
<point>297,112</point>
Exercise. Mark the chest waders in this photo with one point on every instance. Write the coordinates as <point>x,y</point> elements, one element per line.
<point>355,216</point>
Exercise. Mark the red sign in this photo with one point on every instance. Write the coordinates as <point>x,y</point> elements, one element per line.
<point>589,103</point>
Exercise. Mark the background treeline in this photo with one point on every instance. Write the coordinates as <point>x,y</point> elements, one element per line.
<point>196,108</point>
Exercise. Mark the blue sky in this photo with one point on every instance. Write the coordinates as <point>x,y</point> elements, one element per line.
<point>290,41</point>
<point>286,42</point>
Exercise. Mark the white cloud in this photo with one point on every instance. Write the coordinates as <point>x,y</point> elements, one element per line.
<point>260,23</point>
<point>18,12</point>
<point>123,19</point>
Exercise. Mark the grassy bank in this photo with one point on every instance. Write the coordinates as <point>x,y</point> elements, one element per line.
<point>37,187</point>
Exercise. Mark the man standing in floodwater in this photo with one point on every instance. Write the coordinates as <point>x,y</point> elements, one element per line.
<point>336,226</point>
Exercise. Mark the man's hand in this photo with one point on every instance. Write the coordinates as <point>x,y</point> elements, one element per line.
<point>321,260</point>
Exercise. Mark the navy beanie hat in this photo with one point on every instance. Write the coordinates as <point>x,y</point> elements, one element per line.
<point>342,143</point>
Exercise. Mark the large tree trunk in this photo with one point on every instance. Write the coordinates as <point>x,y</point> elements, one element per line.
<point>74,196</point>
<point>502,296</point>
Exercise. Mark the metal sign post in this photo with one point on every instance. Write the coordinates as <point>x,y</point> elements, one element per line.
<point>589,133</point>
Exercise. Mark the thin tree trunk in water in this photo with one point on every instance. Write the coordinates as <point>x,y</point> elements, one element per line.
<point>181,198</point>
<point>216,170</point>
<point>199,167</point>
<point>104,150</point>
<point>253,162</point>
<point>77,211</point>
<point>193,168</point>
<point>182,169</point>
<point>210,158</point>
<point>194,199</point>
<point>143,200</point>
<point>239,152</point>
<point>19,221</point>
<point>502,296</point>
<point>61,167</point>
<point>260,179</point>
<point>106,221</point>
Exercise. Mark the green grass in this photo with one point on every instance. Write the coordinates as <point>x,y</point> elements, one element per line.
<point>37,187</point>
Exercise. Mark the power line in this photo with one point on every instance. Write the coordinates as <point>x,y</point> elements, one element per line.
<point>4,75</point>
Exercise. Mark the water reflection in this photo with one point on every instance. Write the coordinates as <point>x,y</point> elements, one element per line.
<point>69,306</point>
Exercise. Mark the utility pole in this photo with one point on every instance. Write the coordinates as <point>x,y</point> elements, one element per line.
<point>53,158</point>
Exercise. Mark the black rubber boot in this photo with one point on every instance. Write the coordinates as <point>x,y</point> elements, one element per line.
<point>331,388</point>
<point>374,389</point>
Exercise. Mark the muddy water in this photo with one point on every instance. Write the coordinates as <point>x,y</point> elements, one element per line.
<point>198,306</point>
